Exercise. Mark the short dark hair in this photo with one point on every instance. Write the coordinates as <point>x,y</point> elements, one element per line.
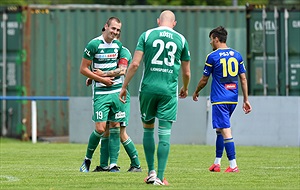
<point>108,22</point>
<point>220,32</point>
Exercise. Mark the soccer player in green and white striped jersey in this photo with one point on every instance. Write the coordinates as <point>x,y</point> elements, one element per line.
<point>125,139</point>
<point>103,53</point>
<point>165,51</point>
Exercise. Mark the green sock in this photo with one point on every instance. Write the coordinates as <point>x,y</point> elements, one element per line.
<point>149,147</point>
<point>114,144</point>
<point>163,150</point>
<point>104,154</point>
<point>93,143</point>
<point>132,152</point>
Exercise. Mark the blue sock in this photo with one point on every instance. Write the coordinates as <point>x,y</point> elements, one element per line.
<point>219,145</point>
<point>230,149</point>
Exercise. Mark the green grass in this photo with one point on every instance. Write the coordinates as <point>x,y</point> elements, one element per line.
<point>56,166</point>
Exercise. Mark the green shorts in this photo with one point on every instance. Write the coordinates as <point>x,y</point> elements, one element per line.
<point>161,106</point>
<point>127,111</point>
<point>108,107</point>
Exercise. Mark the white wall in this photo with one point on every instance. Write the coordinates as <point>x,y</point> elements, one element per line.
<point>274,121</point>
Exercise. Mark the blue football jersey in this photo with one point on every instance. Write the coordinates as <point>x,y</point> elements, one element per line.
<point>224,65</point>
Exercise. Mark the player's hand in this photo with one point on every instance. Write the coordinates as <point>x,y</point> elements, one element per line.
<point>122,96</point>
<point>88,82</point>
<point>108,81</point>
<point>183,92</point>
<point>247,107</point>
<point>195,96</point>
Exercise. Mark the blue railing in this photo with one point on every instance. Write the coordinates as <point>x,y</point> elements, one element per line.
<point>33,100</point>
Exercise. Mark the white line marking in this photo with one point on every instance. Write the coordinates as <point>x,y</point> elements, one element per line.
<point>281,167</point>
<point>9,178</point>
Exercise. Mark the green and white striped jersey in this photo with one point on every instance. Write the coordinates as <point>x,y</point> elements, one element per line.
<point>164,49</point>
<point>105,57</point>
<point>125,53</point>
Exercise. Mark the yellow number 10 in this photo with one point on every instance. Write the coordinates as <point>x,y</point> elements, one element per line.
<point>228,67</point>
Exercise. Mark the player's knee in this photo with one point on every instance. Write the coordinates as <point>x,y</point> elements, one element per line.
<point>106,133</point>
<point>123,138</point>
<point>100,127</point>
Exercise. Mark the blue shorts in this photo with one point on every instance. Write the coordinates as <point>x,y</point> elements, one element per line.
<point>221,114</point>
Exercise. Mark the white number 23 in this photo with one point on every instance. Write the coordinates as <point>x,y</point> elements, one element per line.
<point>170,46</point>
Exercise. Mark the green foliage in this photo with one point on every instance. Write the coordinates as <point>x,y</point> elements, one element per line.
<point>153,2</point>
<point>137,2</point>
<point>56,166</point>
<point>13,2</point>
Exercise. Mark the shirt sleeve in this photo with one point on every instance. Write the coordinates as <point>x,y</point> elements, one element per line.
<point>90,51</point>
<point>185,56</point>
<point>141,43</point>
<point>242,68</point>
<point>208,66</point>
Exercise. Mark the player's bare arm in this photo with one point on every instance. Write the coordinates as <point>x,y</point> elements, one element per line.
<point>137,57</point>
<point>123,63</point>
<point>113,73</point>
<point>246,104</point>
<point>186,75</point>
<point>202,83</point>
<point>84,69</point>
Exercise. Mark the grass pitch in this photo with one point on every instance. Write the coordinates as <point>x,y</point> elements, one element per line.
<point>56,166</point>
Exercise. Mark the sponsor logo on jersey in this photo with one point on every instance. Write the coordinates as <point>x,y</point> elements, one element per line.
<point>161,70</point>
<point>120,115</point>
<point>107,56</point>
<point>224,54</point>
<point>87,52</point>
<point>231,86</point>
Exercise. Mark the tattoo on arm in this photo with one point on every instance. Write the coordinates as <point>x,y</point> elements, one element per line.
<point>109,73</point>
<point>116,72</point>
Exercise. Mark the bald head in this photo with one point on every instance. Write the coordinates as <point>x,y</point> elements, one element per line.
<point>167,18</point>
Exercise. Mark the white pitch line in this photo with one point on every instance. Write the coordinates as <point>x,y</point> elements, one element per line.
<point>281,167</point>
<point>9,178</point>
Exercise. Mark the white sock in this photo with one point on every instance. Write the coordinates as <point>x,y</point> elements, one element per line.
<point>218,161</point>
<point>232,163</point>
<point>112,165</point>
<point>152,172</point>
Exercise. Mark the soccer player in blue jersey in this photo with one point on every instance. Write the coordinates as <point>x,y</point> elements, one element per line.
<point>165,53</point>
<point>225,65</point>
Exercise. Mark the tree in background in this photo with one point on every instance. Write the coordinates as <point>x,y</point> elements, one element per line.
<point>156,2</point>
<point>137,2</point>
